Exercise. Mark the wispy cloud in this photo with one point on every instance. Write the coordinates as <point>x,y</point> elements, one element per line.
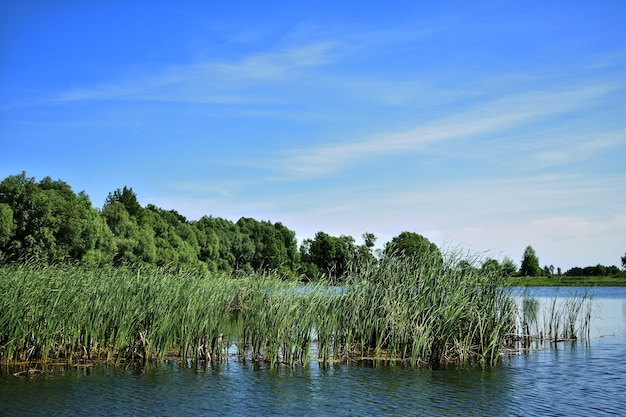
<point>579,147</point>
<point>223,189</point>
<point>211,82</point>
<point>273,65</point>
<point>484,119</point>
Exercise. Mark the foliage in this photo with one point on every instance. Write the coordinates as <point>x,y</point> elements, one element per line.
<point>47,222</point>
<point>412,245</point>
<point>594,271</point>
<point>564,280</point>
<point>50,223</point>
<point>530,263</point>
<point>508,267</point>
<point>334,257</point>
<point>7,227</point>
<point>425,313</point>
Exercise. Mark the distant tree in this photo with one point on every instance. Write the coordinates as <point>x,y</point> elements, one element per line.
<point>327,255</point>
<point>134,243</point>
<point>274,247</point>
<point>31,238</point>
<point>613,270</point>
<point>214,248</point>
<point>48,221</point>
<point>175,239</point>
<point>530,263</point>
<point>600,270</point>
<point>574,272</point>
<point>624,262</point>
<point>369,240</point>
<point>105,248</point>
<point>491,266</point>
<point>128,199</point>
<point>364,254</point>
<point>7,227</point>
<point>413,245</point>
<point>466,266</point>
<point>508,267</point>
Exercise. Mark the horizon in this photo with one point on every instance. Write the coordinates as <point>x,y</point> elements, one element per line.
<point>489,127</point>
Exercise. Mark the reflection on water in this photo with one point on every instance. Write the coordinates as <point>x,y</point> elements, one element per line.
<point>573,378</point>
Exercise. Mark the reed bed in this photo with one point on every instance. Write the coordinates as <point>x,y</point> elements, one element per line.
<point>427,313</point>
<point>421,313</point>
<point>555,319</point>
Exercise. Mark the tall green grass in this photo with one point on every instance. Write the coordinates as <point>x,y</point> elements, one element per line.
<point>427,312</point>
<point>422,313</point>
<point>566,317</point>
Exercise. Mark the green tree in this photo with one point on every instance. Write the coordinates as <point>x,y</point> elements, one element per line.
<point>209,244</point>
<point>49,222</point>
<point>365,252</point>
<point>508,267</point>
<point>414,246</point>
<point>134,244</point>
<point>76,229</point>
<point>31,238</point>
<point>530,263</point>
<point>176,240</point>
<point>127,197</point>
<point>369,240</point>
<point>7,227</point>
<point>274,246</point>
<point>624,262</point>
<point>491,266</point>
<point>105,248</point>
<point>328,256</point>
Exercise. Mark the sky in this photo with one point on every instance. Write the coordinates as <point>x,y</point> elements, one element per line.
<point>486,126</point>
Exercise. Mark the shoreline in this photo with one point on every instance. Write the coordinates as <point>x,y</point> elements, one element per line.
<point>565,281</point>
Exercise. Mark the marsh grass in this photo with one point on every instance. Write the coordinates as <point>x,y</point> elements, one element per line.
<point>420,313</point>
<point>559,318</point>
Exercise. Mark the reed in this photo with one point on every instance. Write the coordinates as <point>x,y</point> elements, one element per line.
<point>422,313</point>
<point>554,319</point>
<point>428,312</point>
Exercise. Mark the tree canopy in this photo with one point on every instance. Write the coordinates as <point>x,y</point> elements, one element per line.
<point>414,246</point>
<point>530,263</point>
<point>46,221</point>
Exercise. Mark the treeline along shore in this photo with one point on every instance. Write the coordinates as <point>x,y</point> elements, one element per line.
<point>127,284</point>
<point>46,222</point>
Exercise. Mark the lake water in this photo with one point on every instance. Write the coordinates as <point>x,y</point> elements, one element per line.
<point>584,378</point>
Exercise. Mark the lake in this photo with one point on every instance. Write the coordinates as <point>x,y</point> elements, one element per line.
<point>583,378</point>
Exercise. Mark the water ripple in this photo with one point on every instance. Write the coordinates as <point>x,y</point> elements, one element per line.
<point>573,379</point>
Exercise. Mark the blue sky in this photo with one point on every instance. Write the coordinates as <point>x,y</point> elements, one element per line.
<point>485,125</point>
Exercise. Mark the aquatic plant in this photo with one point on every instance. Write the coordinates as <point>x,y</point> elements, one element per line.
<point>555,318</point>
<point>422,312</point>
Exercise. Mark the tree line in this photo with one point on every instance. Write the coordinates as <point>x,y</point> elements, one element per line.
<point>530,267</point>
<point>47,222</point>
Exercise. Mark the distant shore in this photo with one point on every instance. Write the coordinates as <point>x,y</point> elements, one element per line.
<point>567,281</point>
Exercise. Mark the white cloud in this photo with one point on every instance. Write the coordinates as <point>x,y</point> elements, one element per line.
<point>222,188</point>
<point>558,215</point>
<point>573,148</point>
<point>271,65</point>
<point>485,118</point>
<point>211,82</point>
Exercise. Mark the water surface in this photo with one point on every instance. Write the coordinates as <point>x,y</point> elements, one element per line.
<point>584,378</point>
